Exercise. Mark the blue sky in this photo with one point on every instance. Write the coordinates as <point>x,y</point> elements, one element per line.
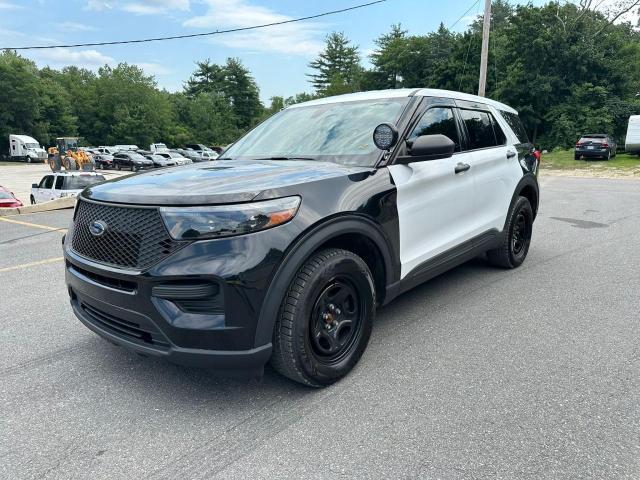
<point>277,56</point>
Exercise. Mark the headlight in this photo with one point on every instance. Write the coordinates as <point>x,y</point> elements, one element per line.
<point>227,220</point>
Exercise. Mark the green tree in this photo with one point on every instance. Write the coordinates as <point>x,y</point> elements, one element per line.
<point>19,97</point>
<point>337,68</point>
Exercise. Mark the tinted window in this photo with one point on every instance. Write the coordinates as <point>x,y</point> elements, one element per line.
<point>59,181</point>
<point>78,182</point>
<point>47,182</point>
<point>437,120</point>
<point>516,125</point>
<point>479,129</point>
<point>500,136</point>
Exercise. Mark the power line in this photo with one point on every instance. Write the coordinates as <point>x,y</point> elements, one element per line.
<point>192,35</point>
<point>464,14</point>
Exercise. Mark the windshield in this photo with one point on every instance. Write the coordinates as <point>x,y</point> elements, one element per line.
<point>136,156</point>
<point>78,182</point>
<point>32,145</point>
<point>334,132</point>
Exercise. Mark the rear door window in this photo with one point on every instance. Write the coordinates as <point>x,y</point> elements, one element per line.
<point>479,129</point>
<point>59,182</point>
<point>437,120</point>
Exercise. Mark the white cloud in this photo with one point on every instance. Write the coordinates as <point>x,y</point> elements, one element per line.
<point>61,57</point>
<point>140,7</point>
<point>154,68</point>
<point>9,6</point>
<point>98,5</point>
<point>78,27</point>
<point>301,38</point>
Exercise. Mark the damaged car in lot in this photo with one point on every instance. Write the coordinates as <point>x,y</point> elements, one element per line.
<point>284,248</point>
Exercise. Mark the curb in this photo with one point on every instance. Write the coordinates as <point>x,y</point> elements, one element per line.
<point>57,204</point>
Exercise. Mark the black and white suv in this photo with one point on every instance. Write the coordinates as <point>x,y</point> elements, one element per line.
<point>283,249</point>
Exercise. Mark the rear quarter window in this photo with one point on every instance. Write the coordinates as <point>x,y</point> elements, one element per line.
<point>513,120</point>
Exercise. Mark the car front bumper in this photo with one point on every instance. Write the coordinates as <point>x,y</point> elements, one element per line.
<point>124,306</point>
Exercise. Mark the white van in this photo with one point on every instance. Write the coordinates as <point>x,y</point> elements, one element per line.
<point>26,148</point>
<point>122,148</point>
<point>633,135</point>
<point>62,184</point>
<point>158,147</point>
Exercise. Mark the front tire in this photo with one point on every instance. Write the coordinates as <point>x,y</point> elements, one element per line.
<point>325,319</point>
<point>517,238</point>
<point>33,200</point>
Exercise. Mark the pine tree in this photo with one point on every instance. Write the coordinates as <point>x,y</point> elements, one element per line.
<point>337,66</point>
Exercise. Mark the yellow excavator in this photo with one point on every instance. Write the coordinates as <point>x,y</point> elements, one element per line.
<point>67,154</point>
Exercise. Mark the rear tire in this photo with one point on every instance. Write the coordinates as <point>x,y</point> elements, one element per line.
<point>608,157</point>
<point>325,319</point>
<point>517,236</point>
<point>576,156</point>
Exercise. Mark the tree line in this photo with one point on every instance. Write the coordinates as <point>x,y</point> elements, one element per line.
<point>566,68</point>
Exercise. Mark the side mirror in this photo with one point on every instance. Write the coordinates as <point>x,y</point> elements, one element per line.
<point>34,185</point>
<point>428,147</point>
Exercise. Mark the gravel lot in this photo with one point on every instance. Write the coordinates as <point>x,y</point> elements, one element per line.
<point>480,373</point>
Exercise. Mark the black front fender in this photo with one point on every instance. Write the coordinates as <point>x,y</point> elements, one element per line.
<point>307,244</point>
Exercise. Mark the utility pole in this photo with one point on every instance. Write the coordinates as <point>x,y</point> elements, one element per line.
<point>484,55</point>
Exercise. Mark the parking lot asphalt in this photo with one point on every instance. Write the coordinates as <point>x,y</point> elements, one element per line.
<point>480,373</point>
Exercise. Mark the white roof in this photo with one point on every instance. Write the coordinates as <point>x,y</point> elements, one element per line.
<point>77,173</point>
<point>24,138</point>
<point>405,92</point>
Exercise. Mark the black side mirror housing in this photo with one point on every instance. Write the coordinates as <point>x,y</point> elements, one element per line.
<point>34,185</point>
<point>428,147</point>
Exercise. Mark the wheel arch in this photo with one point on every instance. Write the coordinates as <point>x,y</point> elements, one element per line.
<point>528,187</point>
<point>357,234</point>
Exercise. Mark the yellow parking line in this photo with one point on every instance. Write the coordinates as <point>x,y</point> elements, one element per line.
<point>32,264</point>
<point>34,225</point>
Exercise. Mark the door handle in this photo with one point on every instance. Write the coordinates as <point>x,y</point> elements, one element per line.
<point>462,167</point>
<point>511,154</point>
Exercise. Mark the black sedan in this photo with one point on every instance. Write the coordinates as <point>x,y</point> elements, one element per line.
<point>597,145</point>
<point>103,160</point>
<point>131,161</point>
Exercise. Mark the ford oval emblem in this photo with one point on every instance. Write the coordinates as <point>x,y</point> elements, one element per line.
<point>98,228</point>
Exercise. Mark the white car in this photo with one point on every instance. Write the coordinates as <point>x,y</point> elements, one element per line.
<point>62,184</point>
<point>176,157</point>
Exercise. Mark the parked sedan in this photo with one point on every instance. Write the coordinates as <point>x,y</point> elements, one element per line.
<point>160,161</point>
<point>103,160</point>
<point>598,145</point>
<point>176,157</point>
<point>132,161</point>
<point>8,199</point>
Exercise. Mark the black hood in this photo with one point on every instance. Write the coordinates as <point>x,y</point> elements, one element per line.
<point>222,181</point>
